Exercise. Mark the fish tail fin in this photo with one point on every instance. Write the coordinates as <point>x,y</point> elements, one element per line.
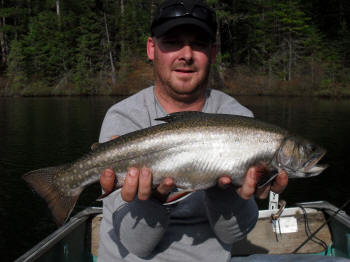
<point>42,181</point>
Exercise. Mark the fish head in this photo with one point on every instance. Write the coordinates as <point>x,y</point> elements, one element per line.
<point>299,157</point>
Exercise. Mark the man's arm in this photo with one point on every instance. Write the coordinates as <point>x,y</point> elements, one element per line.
<point>141,223</point>
<point>233,213</point>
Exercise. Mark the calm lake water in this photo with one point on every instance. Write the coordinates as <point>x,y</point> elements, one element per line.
<point>40,132</point>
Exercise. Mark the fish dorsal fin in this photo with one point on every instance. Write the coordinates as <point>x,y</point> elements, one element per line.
<point>95,146</point>
<point>179,116</point>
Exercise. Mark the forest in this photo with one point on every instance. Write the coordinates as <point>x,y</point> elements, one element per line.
<point>98,47</point>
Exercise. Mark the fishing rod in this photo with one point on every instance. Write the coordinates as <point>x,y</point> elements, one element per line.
<point>325,223</point>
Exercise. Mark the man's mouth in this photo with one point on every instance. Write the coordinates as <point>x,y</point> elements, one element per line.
<point>184,70</point>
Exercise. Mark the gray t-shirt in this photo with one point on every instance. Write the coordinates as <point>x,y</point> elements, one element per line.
<point>200,228</point>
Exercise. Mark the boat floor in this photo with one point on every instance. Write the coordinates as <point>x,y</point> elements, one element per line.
<point>262,239</point>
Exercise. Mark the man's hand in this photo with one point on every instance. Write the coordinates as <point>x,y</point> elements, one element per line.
<point>138,182</point>
<point>249,187</point>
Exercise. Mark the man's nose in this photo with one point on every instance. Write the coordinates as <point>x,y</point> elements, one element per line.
<point>187,53</point>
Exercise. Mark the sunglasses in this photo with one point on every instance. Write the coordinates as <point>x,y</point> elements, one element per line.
<point>197,11</point>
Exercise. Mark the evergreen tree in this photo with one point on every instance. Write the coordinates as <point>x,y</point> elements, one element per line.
<point>84,42</point>
<point>16,67</point>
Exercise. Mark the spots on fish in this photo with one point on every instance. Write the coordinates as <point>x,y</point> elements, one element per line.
<point>195,151</point>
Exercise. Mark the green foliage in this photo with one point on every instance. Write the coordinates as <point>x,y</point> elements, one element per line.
<point>44,47</point>
<point>89,58</point>
<point>75,51</point>
<point>136,27</point>
<point>16,67</point>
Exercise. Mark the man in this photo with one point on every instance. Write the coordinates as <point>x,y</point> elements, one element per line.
<point>136,226</point>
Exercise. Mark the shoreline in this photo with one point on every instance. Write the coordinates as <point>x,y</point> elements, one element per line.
<point>338,96</point>
<point>139,75</point>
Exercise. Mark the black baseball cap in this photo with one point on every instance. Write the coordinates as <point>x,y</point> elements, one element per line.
<point>173,13</point>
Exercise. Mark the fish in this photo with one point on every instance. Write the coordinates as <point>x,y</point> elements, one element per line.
<point>193,148</point>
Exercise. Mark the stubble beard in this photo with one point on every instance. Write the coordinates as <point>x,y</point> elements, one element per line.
<point>194,94</point>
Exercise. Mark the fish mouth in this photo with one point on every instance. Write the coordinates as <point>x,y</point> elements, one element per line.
<point>315,170</point>
<point>311,166</point>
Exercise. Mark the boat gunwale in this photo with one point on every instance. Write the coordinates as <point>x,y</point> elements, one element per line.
<point>43,246</point>
<point>47,243</point>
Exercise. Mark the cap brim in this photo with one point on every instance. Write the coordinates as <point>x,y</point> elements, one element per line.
<point>168,25</point>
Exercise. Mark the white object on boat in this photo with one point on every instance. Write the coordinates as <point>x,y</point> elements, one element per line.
<point>286,225</point>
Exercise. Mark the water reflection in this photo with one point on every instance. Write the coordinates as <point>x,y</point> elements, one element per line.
<point>38,132</point>
<point>325,122</point>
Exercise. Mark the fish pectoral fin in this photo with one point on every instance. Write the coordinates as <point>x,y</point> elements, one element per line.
<point>178,196</point>
<point>265,179</point>
<point>179,116</point>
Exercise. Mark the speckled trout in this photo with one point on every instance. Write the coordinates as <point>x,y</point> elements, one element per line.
<point>193,148</point>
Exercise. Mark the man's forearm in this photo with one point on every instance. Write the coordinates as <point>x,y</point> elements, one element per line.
<point>141,225</point>
<point>230,216</point>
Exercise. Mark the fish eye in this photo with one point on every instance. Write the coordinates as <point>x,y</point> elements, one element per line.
<point>310,148</point>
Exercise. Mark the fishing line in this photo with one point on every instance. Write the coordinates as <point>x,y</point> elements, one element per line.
<point>325,223</point>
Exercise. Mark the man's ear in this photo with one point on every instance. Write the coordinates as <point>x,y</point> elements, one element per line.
<point>150,48</point>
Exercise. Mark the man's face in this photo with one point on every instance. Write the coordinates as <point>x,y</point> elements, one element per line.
<point>181,60</point>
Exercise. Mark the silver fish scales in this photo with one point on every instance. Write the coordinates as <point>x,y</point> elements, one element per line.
<point>193,148</point>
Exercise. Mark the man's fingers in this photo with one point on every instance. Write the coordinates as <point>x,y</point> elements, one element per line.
<point>263,192</point>
<point>130,187</point>
<point>165,186</point>
<point>145,184</point>
<point>280,182</point>
<point>277,186</point>
<point>107,181</point>
<point>224,182</point>
<point>250,180</point>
